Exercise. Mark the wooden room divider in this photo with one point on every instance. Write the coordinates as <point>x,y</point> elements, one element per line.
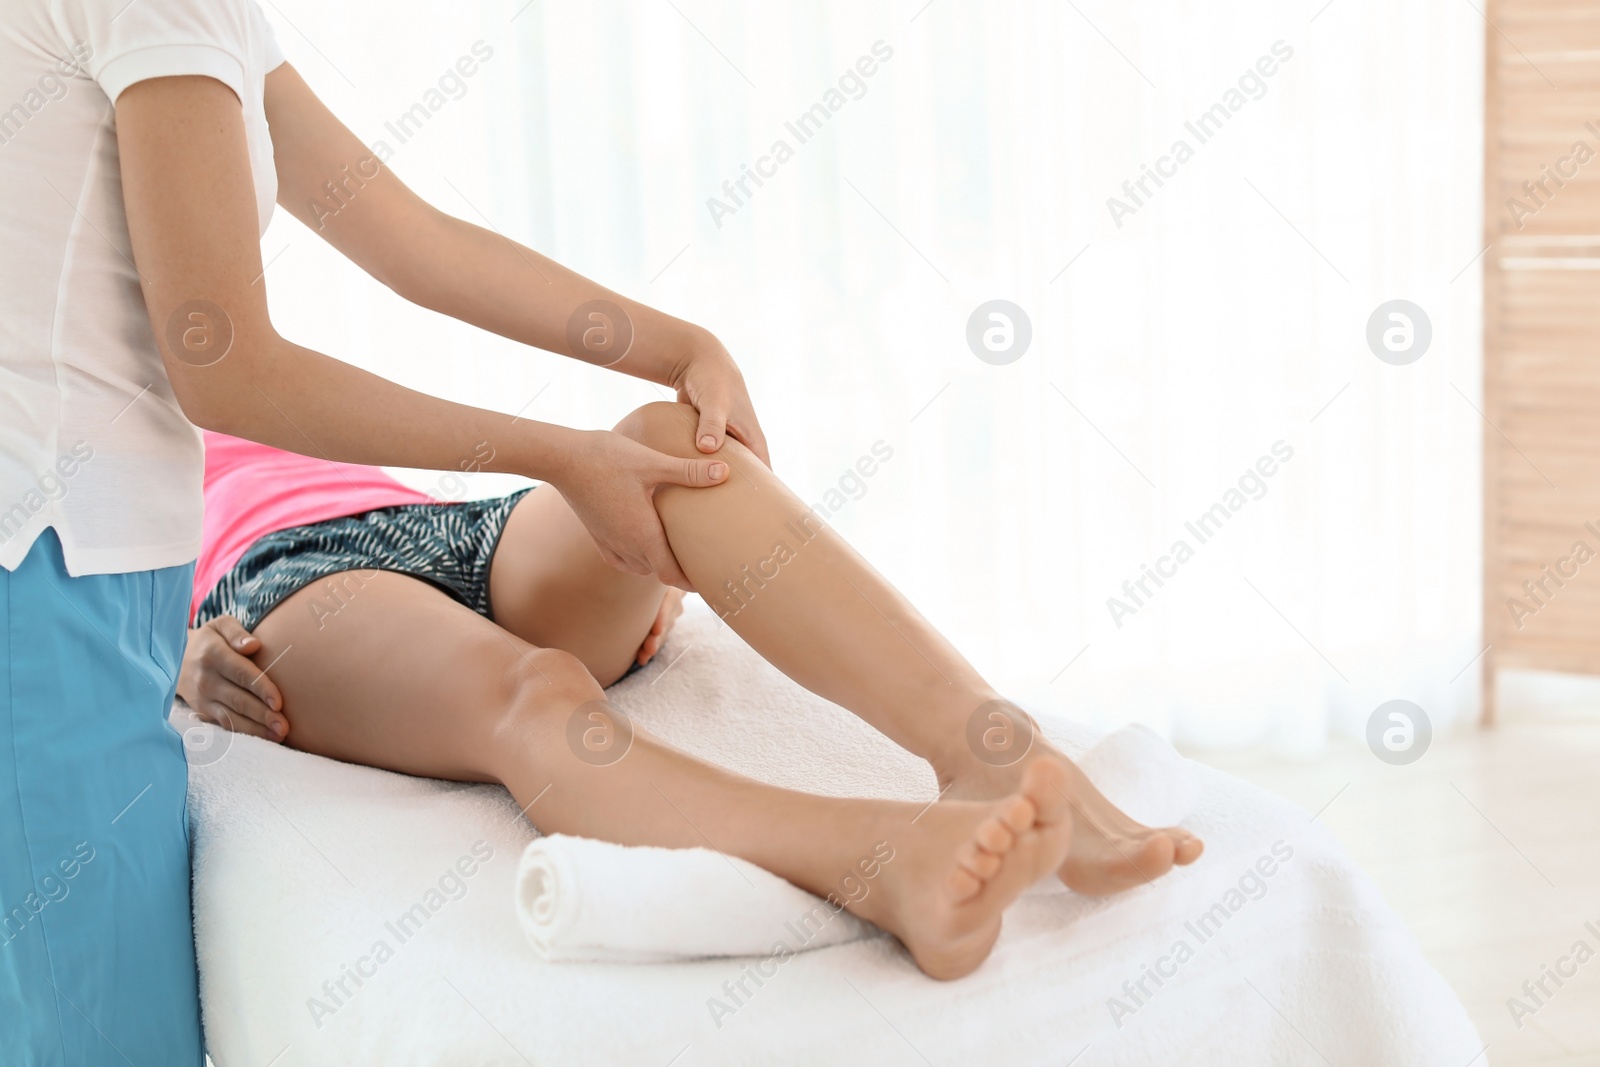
<point>1541,339</point>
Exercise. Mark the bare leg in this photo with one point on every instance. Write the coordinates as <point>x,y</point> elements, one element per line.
<point>405,678</point>
<point>549,586</point>
<point>817,610</point>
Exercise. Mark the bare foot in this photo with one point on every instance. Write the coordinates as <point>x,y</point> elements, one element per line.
<point>1110,852</point>
<point>961,863</point>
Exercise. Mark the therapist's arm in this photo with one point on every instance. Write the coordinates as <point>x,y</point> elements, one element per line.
<point>191,212</point>
<point>335,185</point>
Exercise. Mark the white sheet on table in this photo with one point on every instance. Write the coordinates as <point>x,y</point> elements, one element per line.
<point>305,869</point>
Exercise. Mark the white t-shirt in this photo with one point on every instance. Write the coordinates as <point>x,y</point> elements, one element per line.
<point>92,441</point>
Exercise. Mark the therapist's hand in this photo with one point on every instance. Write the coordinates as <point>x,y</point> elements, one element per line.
<point>710,381</point>
<point>609,481</point>
<point>224,686</point>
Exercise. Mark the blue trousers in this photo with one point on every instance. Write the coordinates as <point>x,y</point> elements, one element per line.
<point>97,960</point>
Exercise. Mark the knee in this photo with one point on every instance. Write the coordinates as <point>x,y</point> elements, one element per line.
<point>670,427</point>
<point>664,426</point>
<point>541,689</point>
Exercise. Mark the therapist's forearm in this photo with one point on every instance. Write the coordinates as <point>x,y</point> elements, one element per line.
<point>334,184</point>
<point>489,280</point>
<point>293,398</point>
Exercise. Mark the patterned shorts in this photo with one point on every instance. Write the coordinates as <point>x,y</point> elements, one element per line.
<point>447,545</point>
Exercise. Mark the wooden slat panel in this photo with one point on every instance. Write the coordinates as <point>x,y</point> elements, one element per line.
<point>1541,330</point>
<point>1533,653</point>
<point>1528,500</point>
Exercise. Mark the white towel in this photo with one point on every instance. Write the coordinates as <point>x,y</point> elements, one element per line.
<point>581,899</point>
<point>307,872</point>
<point>1143,775</point>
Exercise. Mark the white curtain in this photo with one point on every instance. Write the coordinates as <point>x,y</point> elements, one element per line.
<point>1333,164</point>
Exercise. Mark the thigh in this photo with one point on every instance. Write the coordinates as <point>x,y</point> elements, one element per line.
<point>549,586</point>
<point>397,675</point>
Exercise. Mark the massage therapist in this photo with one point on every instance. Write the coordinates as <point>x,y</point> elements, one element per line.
<point>143,144</point>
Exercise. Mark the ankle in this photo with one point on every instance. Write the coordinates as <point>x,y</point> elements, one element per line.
<point>974,752</point>
<point>862,878</point>
<point>957,769</point>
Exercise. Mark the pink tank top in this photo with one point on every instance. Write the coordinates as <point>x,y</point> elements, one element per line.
<point>252,490</point>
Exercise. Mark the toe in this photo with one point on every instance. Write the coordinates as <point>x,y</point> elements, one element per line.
<point>1017,812</point>
<point>995,835</point>
<point>1155,856</point>
<point>1188,849</point>
<point>1036,853</point>
<point>1045,783</point>
<point>978,861</point>
<point>962,885</point>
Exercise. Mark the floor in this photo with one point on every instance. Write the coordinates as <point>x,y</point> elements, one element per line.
<point>1487,847</point>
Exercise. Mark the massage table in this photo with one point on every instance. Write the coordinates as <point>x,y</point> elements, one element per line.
<point>347,916</point>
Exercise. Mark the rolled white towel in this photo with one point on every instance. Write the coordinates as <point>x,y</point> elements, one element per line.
<point>1143,775</point>
<point>579,899</point>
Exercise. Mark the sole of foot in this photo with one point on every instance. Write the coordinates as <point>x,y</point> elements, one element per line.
<point>963,862</point>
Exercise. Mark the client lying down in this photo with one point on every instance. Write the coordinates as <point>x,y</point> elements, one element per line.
<point>346,615</point>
